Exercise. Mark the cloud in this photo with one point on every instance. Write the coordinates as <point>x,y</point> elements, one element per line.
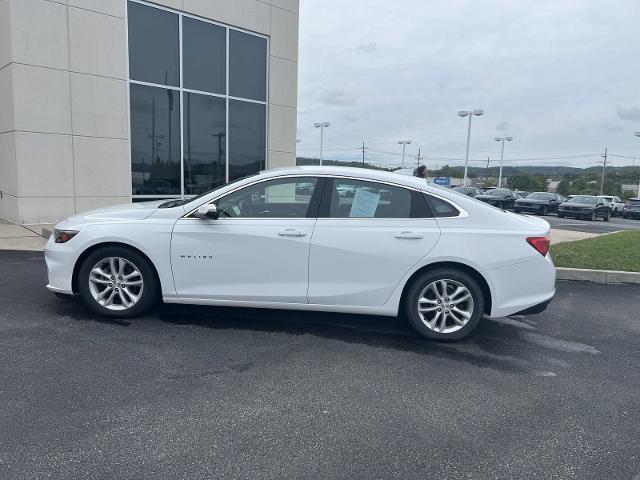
<point>612,128</point>
<point>337,97</point>
<point>370,47</point>
<point>503,126</point>
<point>631,113</point>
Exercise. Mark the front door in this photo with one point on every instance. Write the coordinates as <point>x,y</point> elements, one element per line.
<point>367,237</point>
<point>257,251</point>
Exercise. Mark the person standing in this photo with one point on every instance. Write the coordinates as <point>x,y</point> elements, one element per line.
<point>420,172</point>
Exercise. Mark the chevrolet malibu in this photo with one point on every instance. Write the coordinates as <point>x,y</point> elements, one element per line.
<point>290,239</point>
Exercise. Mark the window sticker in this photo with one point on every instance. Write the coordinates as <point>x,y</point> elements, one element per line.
<point>364,204</point>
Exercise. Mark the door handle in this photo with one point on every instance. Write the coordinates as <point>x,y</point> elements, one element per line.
<point>409,235</point>
<point>291,232</point>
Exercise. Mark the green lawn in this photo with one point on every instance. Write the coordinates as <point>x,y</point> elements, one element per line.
<point>616,251</point>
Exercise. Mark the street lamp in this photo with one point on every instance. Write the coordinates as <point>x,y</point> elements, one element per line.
<point>502,139</point>
<point>470,114</point>
<point>637,134</point>
<point>404,144</point>
<point>321,126</point>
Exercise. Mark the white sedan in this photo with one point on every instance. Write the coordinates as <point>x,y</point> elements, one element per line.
<point>289,239</point>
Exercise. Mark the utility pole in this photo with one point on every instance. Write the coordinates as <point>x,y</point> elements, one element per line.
<point>419,157</point>
<point>363,149</point>
<point>604,166</point>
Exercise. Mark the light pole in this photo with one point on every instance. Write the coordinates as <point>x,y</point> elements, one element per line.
<point>502,139</point>
<point>637,134</point>
<point>404,144</point>
<point>470,114</point>
<point>321,126</point>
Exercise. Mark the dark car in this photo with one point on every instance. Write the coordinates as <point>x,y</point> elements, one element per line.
<point>469,191</point>
<point>498,197</point>
<point>632,209</point>
<point>587,207</point>
<point>540,203</point>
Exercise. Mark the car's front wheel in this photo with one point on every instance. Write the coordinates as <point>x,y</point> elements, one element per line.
<point>117,282</point>
<point>444,305</point>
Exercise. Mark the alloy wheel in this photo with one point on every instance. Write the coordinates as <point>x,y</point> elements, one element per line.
<point>445,306</point>
<point>116,283</point>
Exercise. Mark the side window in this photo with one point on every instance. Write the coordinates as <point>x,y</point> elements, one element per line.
<point>359,199</point>
<point>281,198</point>
<point>440,208</point>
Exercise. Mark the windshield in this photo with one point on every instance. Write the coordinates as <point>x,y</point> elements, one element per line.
<point>539,196</point>
<point>583,199</point>
<point>183,201</point>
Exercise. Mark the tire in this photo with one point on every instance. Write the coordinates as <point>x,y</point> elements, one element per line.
<point>560,215</point>
<point>515,210</point>
<point>545,211</point>
<point>452,330</point>
<point>142,286</point>
<point>593,217</point>
<point>606,218</point>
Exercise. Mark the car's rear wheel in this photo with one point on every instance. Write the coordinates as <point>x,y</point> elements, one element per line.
<point>593,216</point>
<point>118,282</point>
<point>444,305</point>
<point>606,217</point>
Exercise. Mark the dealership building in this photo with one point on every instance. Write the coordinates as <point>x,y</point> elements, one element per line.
<point>112,101</point>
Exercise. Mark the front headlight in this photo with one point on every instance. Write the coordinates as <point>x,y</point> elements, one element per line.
<point>63,236</point>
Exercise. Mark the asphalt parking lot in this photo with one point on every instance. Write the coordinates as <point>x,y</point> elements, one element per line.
<point>613,225</point>
<point>191,392</point>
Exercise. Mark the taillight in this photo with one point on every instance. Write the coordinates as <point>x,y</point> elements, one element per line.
<point>541,244</point>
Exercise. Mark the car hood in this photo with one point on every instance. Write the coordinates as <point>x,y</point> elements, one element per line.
<point>127,211</point>
<point>532,200</point>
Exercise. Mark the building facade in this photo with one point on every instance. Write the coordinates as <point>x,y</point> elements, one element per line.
<point>111,101</point>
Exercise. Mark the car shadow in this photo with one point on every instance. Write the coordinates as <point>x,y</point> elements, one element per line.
<point>482,348</point>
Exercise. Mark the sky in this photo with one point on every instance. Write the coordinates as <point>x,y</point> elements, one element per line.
<point>562,77</point>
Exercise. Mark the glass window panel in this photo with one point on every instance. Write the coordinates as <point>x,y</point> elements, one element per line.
<point>204,142</point>
<point>247,66</point>
<point>440,208</point>
<point>247,138</point>
<point>154,45</point>
<point>358,199</point>
<point>204,50</point>
<point>282,198</point>
<point>155,141</point>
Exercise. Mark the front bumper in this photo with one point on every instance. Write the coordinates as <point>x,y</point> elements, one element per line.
<point>60,260</point>
<point>631,214</point>
<point>529,208</point>
<point>575,213</point>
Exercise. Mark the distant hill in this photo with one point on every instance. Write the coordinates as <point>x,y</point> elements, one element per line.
<point>549,171</point>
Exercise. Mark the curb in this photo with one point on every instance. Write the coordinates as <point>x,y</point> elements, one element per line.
<point>597,276</point>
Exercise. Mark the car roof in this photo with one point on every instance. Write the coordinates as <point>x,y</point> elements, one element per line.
<point>364,173</point>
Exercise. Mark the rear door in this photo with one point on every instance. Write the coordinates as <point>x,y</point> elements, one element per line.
<point>367,237</point>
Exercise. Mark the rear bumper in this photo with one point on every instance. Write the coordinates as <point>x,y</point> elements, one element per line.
<point>539,308</point>
<point>523,286</point>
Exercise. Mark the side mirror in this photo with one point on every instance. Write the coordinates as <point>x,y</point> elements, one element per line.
<point>207,212</point>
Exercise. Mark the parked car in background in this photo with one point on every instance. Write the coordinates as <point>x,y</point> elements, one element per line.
<point>632,209</point>
<point>615,204</point>
<point>520,193</point>
<point>586,207</point>
<point>540,203</point>
<point>498,197</point>
<point>397,246</point>
<point>469,191</point>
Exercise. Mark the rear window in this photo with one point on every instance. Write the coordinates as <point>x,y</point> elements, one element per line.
<point>634,202</point>
<point>441,208</point>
